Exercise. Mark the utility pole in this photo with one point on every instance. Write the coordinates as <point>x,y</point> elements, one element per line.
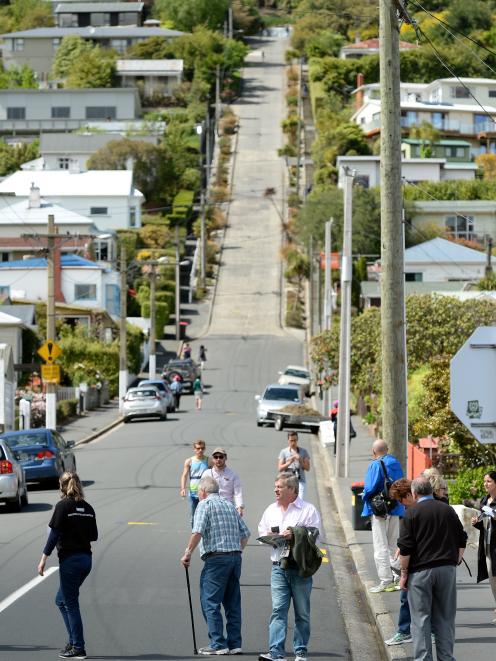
<point>394,392</point>
<point>489,266</point>
<point>327,276</point>
<point>123,328</point>
<point>178,287</point>
<point>343,432</point>
<point>310,284</point>
<point>230,22</point>
<point>152,361</point>
<point>205,178</point>
<point>51,391</point>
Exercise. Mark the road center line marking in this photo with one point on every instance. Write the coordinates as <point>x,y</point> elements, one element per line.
<point>8,601</point>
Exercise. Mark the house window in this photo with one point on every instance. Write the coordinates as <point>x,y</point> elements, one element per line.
<point>460,92</point>
<point>132,217</point>
<point>16,113</point>
<point>103,250</point>
<point>362,180</point>
<point>409,118</point>
<point>120,45</point>
<point>112,299</point>
<point>492,94</point>
<point>56,43</point>
<point>61,112</point>
<point>85,292</point>
<point>101,112</point>
<point>63,163</point>
<point>4,257</point>
<point>68,21</point>
<point>437,119</point>
<point>414,277</point>
<point>5,290</point>
<point>98,211</point>
<point>17,44</point>
<point>460,227</point>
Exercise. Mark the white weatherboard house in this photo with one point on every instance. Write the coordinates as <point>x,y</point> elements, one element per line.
<point>439,260</point>
<point>155,76</point>
<point>11,333</point>
<point>82,282</point>
<point>107,197</point>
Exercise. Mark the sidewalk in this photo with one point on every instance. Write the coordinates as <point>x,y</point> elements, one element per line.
<point>92,424</point>
<point>475,635</point>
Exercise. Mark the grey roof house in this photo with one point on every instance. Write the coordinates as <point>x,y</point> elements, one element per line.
<point>153,77</point>
<point>37,48</point>
<point>98,14</point>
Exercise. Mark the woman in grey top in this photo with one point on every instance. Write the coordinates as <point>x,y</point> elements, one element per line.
<point>296,460</point>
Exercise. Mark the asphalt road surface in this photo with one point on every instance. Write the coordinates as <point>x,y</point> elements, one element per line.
<point>134,602</point>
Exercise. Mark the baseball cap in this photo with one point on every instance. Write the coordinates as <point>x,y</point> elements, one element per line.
<point>220,451</point>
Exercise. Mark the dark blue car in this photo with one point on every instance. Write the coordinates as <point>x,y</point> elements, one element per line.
<point>43,453</point>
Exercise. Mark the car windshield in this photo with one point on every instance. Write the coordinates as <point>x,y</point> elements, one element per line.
<point>299,373</point>
<point>282,393</point>
<point>158,384</point>
<point>139,394</point>
<point>25,440</point>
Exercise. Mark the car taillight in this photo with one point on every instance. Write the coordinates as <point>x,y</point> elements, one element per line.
<point>45,454</point>
<point>6,467</point>
<point>158,397</point>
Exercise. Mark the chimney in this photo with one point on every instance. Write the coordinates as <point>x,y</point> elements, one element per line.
<point>360,81</point>
<point>59,296</point>
<point>34,197</point>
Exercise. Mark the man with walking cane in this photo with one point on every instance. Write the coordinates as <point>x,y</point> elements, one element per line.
<point>222,535</point>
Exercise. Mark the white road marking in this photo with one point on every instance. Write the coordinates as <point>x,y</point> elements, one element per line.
<point>25,588</point>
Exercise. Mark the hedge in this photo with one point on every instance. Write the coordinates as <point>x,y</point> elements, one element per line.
<point>161,317</point>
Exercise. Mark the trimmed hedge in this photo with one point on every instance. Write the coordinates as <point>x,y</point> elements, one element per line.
<point>66,410</point>
<point>161,317</point>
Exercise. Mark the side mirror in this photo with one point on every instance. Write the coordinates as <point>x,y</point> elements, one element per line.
<point>257,397</point>
<point>70,444</point>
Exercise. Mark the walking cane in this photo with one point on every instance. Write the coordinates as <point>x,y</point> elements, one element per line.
<point>191,611</point>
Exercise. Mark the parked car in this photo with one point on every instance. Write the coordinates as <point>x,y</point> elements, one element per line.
<point>276,397</point>
<point>187,369</point>
<point>144,402</point>
<point>43,453</point>
<point>296,375</point>
<point>164,390</point>
<point>13,487</point>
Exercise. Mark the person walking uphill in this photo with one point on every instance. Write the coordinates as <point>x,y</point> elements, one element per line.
<point>72,529</point>
<point>194,467</point>
<point>295,459</point>
<point>385,529</point>
<point>432,543</point>
<point>222,535</point>
<point>228,481</point>
<point>288,513</point>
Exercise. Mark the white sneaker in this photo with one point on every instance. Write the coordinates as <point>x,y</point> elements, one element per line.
<point>300,658</point>
<point>210,651</point>
<point>236,650</point>
<point>382,587</point>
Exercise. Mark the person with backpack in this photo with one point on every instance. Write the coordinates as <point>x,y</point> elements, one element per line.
<point>382,471</point>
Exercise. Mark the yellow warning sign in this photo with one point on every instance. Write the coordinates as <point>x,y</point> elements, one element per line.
<point>50,373</point>
<point>49,351</point>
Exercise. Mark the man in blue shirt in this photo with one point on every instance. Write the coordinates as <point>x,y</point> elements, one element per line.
<point>222,535</point>
<point>385,530</point>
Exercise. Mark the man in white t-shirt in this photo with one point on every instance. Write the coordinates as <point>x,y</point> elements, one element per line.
<point>296,460</point>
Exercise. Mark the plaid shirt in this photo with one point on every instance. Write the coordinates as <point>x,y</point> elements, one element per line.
<point>219,524</point>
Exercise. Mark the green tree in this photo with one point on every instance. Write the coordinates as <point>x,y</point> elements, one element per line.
<point>25,14</point>
<point>18,77</point>
<point>96,69</point>
<point>187,14</point>
<point>13,156</point>
<point>468,17</point>
<point>71,49</point>
<point>428,136</point>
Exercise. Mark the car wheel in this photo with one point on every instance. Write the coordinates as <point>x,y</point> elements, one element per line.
<point>16,504</point>
<point>279,423</point>
<point>24,497</point>
<point>259,424</point>
<point>125,420</point>
<point>163,417</point>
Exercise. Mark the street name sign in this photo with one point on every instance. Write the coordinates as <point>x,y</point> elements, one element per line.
<point>49,351</point>
<point>473,384</point>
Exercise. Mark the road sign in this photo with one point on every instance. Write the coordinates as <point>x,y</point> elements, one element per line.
<point>473,384</point>
<point>49,351</point>
<point>50,373</point>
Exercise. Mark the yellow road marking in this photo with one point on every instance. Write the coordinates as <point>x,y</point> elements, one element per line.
<point>141,523</point>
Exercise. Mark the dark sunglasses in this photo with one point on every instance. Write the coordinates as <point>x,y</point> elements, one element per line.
<point>219,456</point>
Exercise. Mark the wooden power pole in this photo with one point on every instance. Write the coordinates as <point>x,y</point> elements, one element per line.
<point>394,391</point>
<point>123,327</point>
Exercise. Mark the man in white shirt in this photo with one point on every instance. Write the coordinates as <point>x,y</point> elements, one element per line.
<point>228,481</point>
<point>288,511</point>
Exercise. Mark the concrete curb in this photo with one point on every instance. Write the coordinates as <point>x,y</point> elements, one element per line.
<point>99,432</point>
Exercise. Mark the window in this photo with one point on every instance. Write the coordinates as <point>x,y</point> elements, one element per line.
<point>461,227</point>
<point>85,292</point>
<point>112,299</point>
<point>61,112</point>
<point>120,45</point>
<point>101,112</point>
<point>17,44</point>
<point>16,113</point>
<point>68,21</point>
<point>413,277</point>
<point>63,163</point>
<point>4,290</point>
<point>56,43</point>
<point>103,250</point>
<point>492,94</point>
<point>362,180</point>
<point>132,217</point>
<point>98,211</point>
<point>460,92</point>
<point>437,119</point>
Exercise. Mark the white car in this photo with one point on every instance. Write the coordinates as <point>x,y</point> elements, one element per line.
<point>296,375</point>
<point>144,402</point>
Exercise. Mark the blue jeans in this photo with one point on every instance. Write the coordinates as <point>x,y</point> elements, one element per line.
<point>286,584</point>
<point>72,570</point>
<point>404,618</point>
<point>193,504</point>
<point>219,585</point>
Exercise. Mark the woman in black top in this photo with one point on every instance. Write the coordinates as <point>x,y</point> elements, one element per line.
<point>72,529</point>
<point>486,524</point>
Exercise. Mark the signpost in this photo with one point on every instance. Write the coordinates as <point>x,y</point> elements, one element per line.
<point>473,384</point>
<point>49,351</point>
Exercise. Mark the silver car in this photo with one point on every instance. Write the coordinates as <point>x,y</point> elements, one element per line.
<point>144,402</point>
<point>276,396</point>
<point>296,375</point>
<point>164,389</point>
<point>13,488</point>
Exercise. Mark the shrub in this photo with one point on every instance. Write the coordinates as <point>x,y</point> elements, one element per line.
<point>161,316</point>
<point>468,485</point>
<point>228,124</point>
<point>66,410</point>
<point>225,145</point>
<point>218,194</point>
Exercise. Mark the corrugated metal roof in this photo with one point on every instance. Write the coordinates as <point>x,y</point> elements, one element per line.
<point>66,261</point>
<point>19,213</point>
<point>152,66</point>
<point>23,312</point>
<point>83,143</point>
<point>440,250</point>
<point>91,7</point>
<point>92,183</point>
<point>372,288</point>
<point>444,143</point>
<point>121,32</point>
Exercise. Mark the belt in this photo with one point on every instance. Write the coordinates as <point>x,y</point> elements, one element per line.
<point>214,553</point>
<point>276,563</point>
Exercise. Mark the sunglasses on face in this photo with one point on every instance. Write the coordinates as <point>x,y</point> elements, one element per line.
<point>218,456</point>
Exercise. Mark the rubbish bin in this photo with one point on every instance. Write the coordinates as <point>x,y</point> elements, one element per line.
<point>183,327</point>
<point>359,522</point>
